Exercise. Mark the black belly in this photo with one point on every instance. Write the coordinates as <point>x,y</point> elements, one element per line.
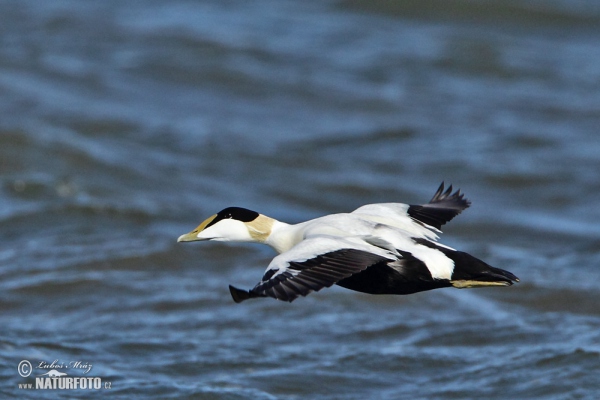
<point>411,276</point>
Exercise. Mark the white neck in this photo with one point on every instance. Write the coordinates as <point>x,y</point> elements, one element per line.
<point>284,236</point>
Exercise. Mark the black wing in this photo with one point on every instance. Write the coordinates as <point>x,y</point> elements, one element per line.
<point>441,208</point>
<point>301,278</point>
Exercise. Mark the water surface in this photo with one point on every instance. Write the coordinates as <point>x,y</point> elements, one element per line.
<point>123,125</point>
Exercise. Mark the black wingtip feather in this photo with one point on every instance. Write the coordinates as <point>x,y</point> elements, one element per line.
<point>443,206</point>
<point>448,199</point>
<point>238,295</point>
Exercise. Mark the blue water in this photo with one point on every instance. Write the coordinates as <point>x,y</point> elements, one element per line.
<point>125,124</point>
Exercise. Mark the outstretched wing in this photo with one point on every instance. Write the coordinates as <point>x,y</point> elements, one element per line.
<point>418,220</point>
<point>444,206</point>
<point>312,265</point>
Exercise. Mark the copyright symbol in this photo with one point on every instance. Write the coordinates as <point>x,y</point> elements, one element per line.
<point>25,368</point>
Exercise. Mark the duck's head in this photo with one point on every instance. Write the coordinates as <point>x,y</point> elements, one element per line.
<point>233,224</point>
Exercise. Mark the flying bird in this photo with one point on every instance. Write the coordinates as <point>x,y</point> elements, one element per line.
<point>385,248</point>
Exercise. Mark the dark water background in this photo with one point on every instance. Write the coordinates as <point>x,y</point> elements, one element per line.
<point>124,124</point>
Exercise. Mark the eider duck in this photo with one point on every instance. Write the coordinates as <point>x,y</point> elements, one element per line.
<point>386,248</point>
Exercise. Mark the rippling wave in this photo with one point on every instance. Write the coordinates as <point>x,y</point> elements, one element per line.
<point>124,125</point>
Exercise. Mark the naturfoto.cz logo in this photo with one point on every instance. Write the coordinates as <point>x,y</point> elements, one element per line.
<point>54,378</point>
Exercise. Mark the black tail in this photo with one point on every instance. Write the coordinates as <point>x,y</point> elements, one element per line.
<point>472,272</point>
